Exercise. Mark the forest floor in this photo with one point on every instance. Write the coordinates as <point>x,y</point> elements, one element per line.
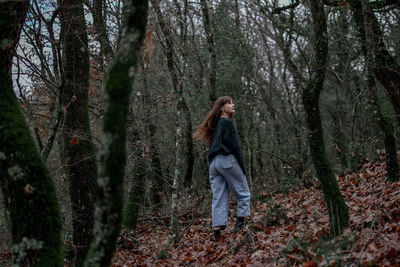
<point>285,229</point>
<point>289,229</point>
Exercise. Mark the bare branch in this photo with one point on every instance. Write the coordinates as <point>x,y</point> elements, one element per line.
<point>280,9</point>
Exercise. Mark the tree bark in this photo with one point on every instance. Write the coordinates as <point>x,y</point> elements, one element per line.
<point>189,154</point>
<point>29,191</point>
<point>138,179</point>
<point>386,68</point>
<point>213,55</point>
<point>188,148</point>
<point>156,168</point>
<point>79,150</point>
<point>338,210</point>
<point>156,174</point>
<point>342,77</point>
<point>99,23</point>
<point>383,121</point>
<point>108,210</point>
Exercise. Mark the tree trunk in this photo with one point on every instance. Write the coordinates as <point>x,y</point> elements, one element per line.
<point>137,178</point>
<point>383,121</point>
<point>188,158</point>
<point>211,48</point>
<point>177,174</point>
<point>189,154</point>
<point>28,189</point>
<point>156,168</point>
<point>108,210</point>
<point>342,84</point>
<point>156,174</point>
<point>99,23</point>
<point>387,129</point>
<point>339,138</point>
<point>78,146</point>
<point>338,210</point>
<point>386,69</point>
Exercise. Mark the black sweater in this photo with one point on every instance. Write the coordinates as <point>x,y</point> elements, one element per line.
<point>225,141</point>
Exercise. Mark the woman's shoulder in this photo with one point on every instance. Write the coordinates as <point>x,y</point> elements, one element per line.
<point>225,122</point>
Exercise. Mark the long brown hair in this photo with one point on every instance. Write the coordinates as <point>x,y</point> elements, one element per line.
<point>206,129</point>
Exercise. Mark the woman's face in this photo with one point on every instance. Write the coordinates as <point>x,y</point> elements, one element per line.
<point>228,109</point>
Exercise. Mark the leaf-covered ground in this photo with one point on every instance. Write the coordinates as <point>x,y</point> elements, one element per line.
<point>285,230</point>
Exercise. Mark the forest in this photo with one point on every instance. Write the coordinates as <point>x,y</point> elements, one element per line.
<point>99,101</point>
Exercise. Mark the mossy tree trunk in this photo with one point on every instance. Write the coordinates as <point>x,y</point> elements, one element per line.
<point>338,210</point>
<point>29,191</point>
<point>385,68</point>
<point>384,121</point>
<point>108,209</point>
<point>387,127</point>
<point>78,147</point>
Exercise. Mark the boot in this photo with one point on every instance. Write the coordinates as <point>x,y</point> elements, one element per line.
<point>217,232</point>
<point>239,224</point>
<point>216,235</point>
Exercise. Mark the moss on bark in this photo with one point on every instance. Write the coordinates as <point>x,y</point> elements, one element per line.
<point>384,121</point>
<point>29,191</point>
<point>108,210</point>
<point>338,210</point>
<point>390,144</point>
<point>385,68</point>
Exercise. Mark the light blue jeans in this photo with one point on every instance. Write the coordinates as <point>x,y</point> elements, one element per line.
<point>225,174</point>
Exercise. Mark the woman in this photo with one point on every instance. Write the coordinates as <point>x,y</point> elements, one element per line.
<point>227,168</point>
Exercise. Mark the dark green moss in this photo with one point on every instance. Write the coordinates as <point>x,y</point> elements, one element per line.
<point>338,210</point>
<point>29,191</point>
<point>390,144</point>
<point>108,210</point>
<point>27,186</point>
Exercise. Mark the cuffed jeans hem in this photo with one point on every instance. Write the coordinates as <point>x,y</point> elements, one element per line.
<point>218,224</point>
